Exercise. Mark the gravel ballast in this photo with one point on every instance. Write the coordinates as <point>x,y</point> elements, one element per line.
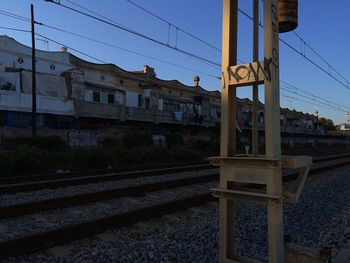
<point>20,198</point>
<point>321,218</point>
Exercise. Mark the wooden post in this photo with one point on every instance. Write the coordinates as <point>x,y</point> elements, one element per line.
<point>272,129</point>
<point>33,74</point>
<point>272,94</point>
<point>228,122</point>
<point>255,124</point>
<point>228,97</point>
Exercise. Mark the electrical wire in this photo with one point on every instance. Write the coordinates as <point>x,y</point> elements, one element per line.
<point>175,26</point>
<point>25,19</point>
<point>319,55</point>
<point>289,88</point>
<point>76,50</point>
<point>315,100</point>
<point>113,46</point>
<point>307,102</point>
<point>129,51</point>
<point>15,29</point>
<point>131,31</point>
<point>292,87</point>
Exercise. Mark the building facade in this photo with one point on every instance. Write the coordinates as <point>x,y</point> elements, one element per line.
<point>74,93</point>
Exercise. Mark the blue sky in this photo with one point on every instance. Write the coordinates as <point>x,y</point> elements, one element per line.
<point>323,24</point>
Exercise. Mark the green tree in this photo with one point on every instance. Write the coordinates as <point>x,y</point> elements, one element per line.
<point>327,124</point>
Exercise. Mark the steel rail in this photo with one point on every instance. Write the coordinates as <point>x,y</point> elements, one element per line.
<point>50,238</point>
<point>93,172</point>
<point>45,239</point>
<point>57,183</point>
<point>142,189</point>
<point>62,202</point>
<point>52,184</point>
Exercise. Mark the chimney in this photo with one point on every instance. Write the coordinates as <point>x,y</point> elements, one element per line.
<point>149,70</point>
<point>63,49</point>
<point>196,81</point>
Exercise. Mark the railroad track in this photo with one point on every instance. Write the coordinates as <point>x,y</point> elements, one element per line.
<point>90,179</point>
<point>123,170</point>
<point>139,190</point>
<point>14,185</point>
<point>87,173</point>
<point>50,238</point>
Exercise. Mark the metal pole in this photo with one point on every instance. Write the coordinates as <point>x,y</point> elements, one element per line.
<point>255,124</point>
<point>33,74</point>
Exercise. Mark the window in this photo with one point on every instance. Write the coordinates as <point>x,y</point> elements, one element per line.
<point>96,96</point>
<point>147,106</point>
<point>88,95</point>
<point>21,119</point>
<point>110,98</point>
<point>104,96</point>
<point>140,100</point>
<point>171,105</point>
<point>7,86</point>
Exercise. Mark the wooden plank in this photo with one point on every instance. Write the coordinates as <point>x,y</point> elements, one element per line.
<point>237,194</point>
<point>272,92</point>
<point>228,122</point>
<point>255,116</point>
<point>248,74</point>
<point>294,162</point>
<point>228,94</point>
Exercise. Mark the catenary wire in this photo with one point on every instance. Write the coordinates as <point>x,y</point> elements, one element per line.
<point>131,31</point>
<point>23,18</point>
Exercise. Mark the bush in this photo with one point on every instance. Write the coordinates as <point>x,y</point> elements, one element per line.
<point>31,159</point>
<point>48,143</point>
<point>174,139</point>
<point>137,140</point>
<point>83,158</point>
<point>206,146</point>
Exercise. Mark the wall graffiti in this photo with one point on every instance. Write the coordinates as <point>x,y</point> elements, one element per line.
<point>77,138</point>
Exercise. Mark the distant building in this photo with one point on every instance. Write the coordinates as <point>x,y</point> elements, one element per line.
<point>74,93</point>
<point>344,127</point>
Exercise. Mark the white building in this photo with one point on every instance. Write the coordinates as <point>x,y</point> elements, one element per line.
<point>72,92</point>
<point>16,83</point>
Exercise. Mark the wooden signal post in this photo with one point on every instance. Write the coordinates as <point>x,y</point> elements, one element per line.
<point>239,174</point>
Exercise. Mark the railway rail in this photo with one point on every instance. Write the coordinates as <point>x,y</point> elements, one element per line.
<point>95,172</point>
<point>15,185</point>
<point>50,238</point>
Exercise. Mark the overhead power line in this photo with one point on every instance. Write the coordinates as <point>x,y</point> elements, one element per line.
<point>141,35</point>
<point>107,44</point>
<point>173,25</point>
<point>308,102</point>
<point>289,88</point>
<point>327,72</point>
<point>2,12</point>
<point>302,53</point>
<point>74,49</point>
<point>129,51</point>
<point>15,29</point>
<point>314,100</point>
<point>294,88</point>
<point>321,57</point>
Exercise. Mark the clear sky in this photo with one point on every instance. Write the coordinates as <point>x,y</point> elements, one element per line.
<point>323,24</point>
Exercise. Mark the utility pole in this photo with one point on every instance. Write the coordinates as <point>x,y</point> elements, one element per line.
<point>33,74</point>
